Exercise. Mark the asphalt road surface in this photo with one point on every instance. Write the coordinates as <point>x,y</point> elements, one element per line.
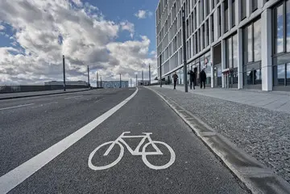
<point>175,162</point>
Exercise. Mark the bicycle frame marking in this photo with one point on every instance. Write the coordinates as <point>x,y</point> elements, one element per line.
<point>135,152</point>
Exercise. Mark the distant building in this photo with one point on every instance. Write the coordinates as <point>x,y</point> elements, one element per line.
<point>71,83</point>
<point>144,83</point>
<point>115,84</point>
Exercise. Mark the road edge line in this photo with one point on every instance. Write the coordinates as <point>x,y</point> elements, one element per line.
<point>19,174</point>
<point>248,176</point>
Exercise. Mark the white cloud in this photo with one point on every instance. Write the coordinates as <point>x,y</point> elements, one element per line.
<point>142,14</point>
<point>2,27</point>
<point>78,2</point>
<point>46,30</point>
<point>129,27</point>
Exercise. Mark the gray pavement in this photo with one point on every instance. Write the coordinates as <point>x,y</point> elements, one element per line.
<point>195,170</point>
<point>37,93</point>
<point>262,133</point>
<point>274,100</point>
<point>27,130</point>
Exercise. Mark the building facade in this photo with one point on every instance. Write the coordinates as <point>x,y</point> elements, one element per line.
<point>239,43</point>
<point>114,84</point>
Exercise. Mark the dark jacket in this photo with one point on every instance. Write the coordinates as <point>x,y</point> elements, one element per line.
<point>202,76</point>
<point>191,75</point>
<point>175,77</point>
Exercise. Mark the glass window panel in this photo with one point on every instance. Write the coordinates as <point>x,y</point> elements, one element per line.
<point>288,74</point>
<point>229,53</point>
<point>235,51</point>
<point>250,43</point>
<point>280,29</point>
<point>234,13</point>
<point>288,25</point>
<point>258,76</point>
<point>281,74</point>
<point>244,8</point>
<point>257,40</point>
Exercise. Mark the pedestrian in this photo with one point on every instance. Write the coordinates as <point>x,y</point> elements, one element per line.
<point>202,77</point>
<point>191,79</point>
<point>175,77</point>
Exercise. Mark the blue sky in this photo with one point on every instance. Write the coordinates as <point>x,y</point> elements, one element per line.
<point>111,36</point>
<point>119,10</point>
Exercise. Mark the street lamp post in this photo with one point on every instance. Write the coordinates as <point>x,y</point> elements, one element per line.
<point>142,78</point>
<point>88,76</point>
<point>120,80</point>
<point>149,74</point>
<point>160,70</point>
<point>136,78</point>
<point>63,71</point>
<point>184,52</point>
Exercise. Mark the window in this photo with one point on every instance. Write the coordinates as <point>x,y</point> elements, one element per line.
<point>219,21</point>
<point>212,29</point>
<point>257,40</point>
<point>244,9</point>
<point>279,34</point>
<point>233,13</point>
<point>226,16</point>
<point>229,53</point>
<point>232,52</point>
<point>254,5</point>
<point>235,51</point>
<point>288,25</point>
<point>249,43</point>
<point>207,33</point>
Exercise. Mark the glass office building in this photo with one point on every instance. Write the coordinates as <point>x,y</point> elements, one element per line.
<point>239,43</point>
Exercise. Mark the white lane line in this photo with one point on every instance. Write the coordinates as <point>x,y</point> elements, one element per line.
<point>18,106</point>
<point>25,170</point>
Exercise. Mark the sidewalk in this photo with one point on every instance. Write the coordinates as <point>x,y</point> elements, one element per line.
<point>262,133</point>
<point>4,96</point>
<point>277,101</point>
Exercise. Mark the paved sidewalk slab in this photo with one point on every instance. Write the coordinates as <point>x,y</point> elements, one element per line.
<point>277,101</point>
<point>262,133</point>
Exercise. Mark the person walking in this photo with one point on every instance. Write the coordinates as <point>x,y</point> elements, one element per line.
<point>175,77</point>
<point>202,76</point>
<point>191,79</point>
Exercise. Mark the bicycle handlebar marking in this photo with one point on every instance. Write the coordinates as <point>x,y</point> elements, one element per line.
<point>120,142</point>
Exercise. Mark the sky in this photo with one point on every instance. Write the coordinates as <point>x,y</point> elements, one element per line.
<point>111,36</point>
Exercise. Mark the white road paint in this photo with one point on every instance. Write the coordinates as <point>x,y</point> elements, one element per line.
<point>28,168</point>
<point>18,106</point>
<point>120,141</point>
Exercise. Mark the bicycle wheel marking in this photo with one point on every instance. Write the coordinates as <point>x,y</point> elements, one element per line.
<point>121,143</point>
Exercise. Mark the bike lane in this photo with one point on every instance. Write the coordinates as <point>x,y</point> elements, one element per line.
<point>195,168</point>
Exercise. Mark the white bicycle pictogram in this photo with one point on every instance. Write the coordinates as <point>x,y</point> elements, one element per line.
<point>120,142</point>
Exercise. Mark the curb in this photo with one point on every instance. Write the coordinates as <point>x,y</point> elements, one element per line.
<point>26,96</point>
<point>256,177</point>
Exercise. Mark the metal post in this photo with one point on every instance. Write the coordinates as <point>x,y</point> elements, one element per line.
<point>149,74</point>
<point>101,84</point>
<point>160,70</point>
<point>63,71</point>
<point>88,76</point>
<point>98,80</point>
<point>142,78</point>
<point>136,80</point>
<point>120,80</point>
<point>184,53</point>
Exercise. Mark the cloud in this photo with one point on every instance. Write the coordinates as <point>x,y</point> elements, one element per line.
<point>46,30</point>
<point>2,27</point>
<point>129,27</point>
<point>142,14</point>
